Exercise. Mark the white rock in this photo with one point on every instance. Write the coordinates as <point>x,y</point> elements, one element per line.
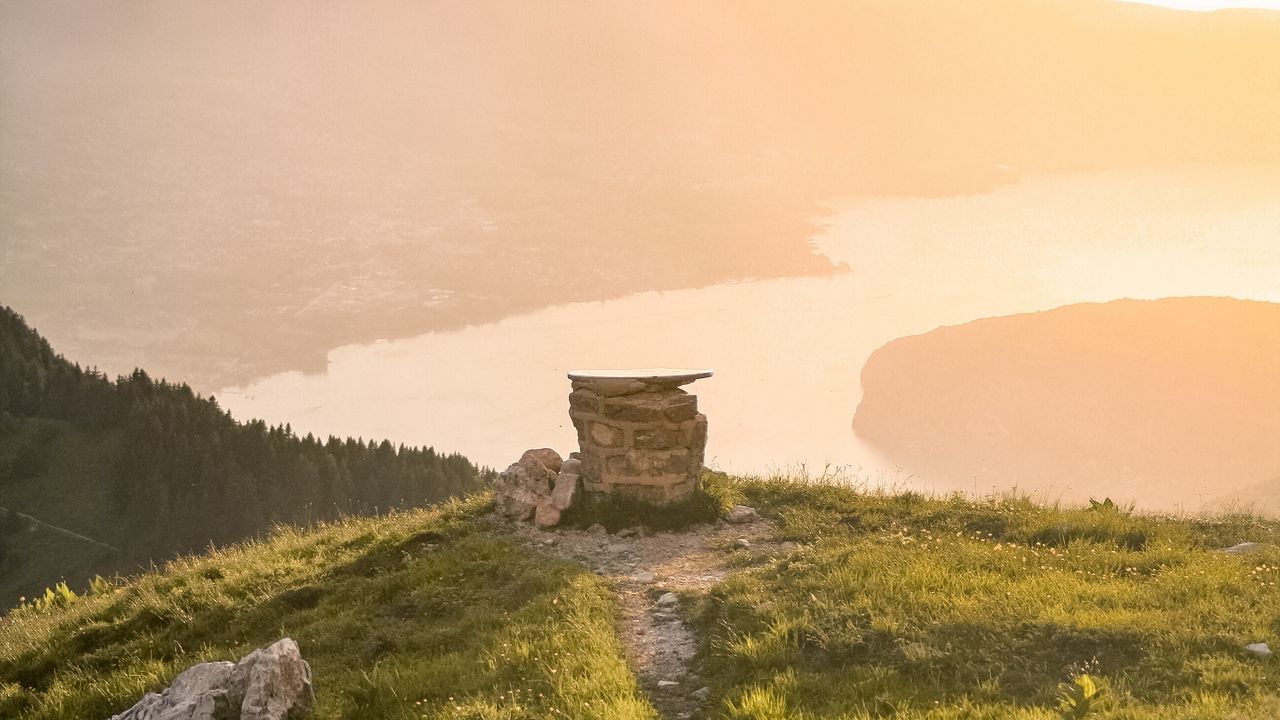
<point>198,693</point>
<point>1259,649</point>
<point>1244,548</point>
<point>741,514</point>
<point>274,683</point>
<point>742,543</point>
<point>668,600</point>
<point>702,693</point>
<point>667,683</point>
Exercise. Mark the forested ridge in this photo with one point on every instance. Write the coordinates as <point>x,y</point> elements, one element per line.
<point>149,469</point>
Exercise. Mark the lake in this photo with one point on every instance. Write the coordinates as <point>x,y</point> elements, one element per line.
<point>787,353</point>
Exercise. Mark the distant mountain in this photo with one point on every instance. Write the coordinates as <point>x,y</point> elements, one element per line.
<point>101,476</point>
<point>1173,403</point>
<point>445,163</point>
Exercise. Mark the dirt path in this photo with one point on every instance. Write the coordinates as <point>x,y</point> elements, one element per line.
<point>649,573</point>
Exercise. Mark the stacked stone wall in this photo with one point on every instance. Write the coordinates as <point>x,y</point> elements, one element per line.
<point>645,440</point>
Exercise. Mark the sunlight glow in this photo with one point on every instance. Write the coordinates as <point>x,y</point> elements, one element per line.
<point>1208,5</point>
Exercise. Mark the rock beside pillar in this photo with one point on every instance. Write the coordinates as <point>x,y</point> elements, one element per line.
<point>526,485</point>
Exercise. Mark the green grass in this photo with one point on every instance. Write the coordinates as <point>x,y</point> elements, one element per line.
<point>908,607</point>
<point>421,614</point>
<point>894,605</point>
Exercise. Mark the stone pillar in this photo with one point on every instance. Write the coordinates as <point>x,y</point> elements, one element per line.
<point>639,434</point>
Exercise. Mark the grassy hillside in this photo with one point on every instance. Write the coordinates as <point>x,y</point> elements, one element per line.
<point>907,607</point>
<point>892,606</point>
<point>420,614</point>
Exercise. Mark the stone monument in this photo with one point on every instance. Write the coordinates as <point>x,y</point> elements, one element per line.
<point>639,433</point>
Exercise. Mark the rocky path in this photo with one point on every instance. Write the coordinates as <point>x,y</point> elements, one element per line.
<point>650,573</point>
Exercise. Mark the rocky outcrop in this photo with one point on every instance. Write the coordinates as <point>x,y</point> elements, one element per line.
<point>198,693</point>
<point>271,683</point>
<point>538,487</point>
<point>526,484</point>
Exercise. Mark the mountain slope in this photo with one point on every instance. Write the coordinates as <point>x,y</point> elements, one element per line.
<point>102,477</point>
<point>419,614</point>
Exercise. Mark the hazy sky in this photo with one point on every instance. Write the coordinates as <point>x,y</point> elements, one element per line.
<point>164,164</point>
<point>1212,4</point>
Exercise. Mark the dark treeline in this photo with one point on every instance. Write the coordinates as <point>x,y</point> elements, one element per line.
<point>182,473</point>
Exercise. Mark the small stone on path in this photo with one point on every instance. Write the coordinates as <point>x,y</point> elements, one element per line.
<point>702,693</point>
<point>667,683</point>
<point>597,529</point>
<point>1259,649</point>
<point>668,600</point>
<point>741,514</point>
<point>742,543</point>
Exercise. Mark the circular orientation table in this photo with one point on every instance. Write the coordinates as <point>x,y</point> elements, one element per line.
<point>664,376</point>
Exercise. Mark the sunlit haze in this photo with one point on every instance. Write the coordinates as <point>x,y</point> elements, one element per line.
<point>232,194</point>
<point>640,360</point>
<point>1207,5</point>
<point>750,359</point>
